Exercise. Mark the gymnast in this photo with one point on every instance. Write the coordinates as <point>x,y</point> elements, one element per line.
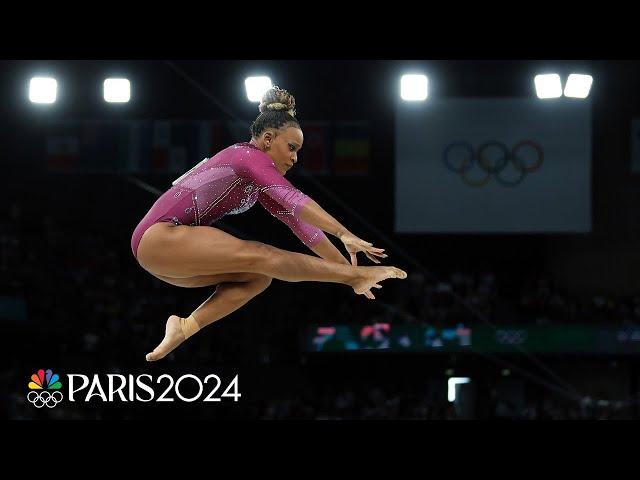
<point>176,243</point>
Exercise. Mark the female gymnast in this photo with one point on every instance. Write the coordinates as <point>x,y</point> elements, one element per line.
<point>175,242</point>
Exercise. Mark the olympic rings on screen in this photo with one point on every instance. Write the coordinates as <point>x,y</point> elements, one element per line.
<point>511,337</point>
<point>492,158</point>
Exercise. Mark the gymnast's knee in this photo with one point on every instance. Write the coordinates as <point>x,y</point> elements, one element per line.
<point>258,256</point>
<point>255,283</point>
<point>259,283</point>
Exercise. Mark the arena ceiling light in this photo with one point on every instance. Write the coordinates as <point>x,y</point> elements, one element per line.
<point>578,86</point>
<point>43,90</point>
<point>117,90</point>
<point>414,88</point>
<point>256,87</point>
<point>548,85</point>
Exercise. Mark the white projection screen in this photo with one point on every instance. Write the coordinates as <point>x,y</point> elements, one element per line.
<point>503,165</point>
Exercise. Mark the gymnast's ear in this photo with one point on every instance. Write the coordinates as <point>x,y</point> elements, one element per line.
<point>267,138</point>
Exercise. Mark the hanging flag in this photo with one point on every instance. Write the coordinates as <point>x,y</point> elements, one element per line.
<point>218,137</point>
<point>314,154</point>
<point>161,145</point>
<point>135,146</point>
<point>351,148</point>
<point>63,152</point>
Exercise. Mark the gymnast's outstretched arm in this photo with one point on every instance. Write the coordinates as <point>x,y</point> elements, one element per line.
<point>306,218</point>
<point>327,250</point>
<point>315,215</point>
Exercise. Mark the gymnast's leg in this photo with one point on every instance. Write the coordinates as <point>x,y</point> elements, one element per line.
<point>185,251</point>
<point>233,291</point>
<point>190,256</point>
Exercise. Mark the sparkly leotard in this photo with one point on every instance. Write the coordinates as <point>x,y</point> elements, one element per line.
<point>227,184</point>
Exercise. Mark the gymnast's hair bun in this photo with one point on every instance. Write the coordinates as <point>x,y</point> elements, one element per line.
<point>278,100</point>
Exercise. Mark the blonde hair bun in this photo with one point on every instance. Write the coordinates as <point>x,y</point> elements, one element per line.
<point>278,99</point>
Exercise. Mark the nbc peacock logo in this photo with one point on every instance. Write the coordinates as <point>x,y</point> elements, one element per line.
<point>41,385</point>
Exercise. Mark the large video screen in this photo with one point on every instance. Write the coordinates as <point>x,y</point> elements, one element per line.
<point>505,165</point>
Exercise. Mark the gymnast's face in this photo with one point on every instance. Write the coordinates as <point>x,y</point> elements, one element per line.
<point>283,146</point>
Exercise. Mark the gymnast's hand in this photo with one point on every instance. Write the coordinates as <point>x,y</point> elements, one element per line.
<point>354,245</point>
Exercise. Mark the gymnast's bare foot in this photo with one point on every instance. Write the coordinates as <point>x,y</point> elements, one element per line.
<point>173,337</point>
<point>372,275</point>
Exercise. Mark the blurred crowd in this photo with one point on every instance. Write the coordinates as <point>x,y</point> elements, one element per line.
<point>45,261</point>
<point>79,287</point>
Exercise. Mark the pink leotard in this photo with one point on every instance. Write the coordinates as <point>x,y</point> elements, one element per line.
<point>227,184</point>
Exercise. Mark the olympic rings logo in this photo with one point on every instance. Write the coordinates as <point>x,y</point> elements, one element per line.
<point>40,399</point>
<point>493,158</point>
<point>511,337</point>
